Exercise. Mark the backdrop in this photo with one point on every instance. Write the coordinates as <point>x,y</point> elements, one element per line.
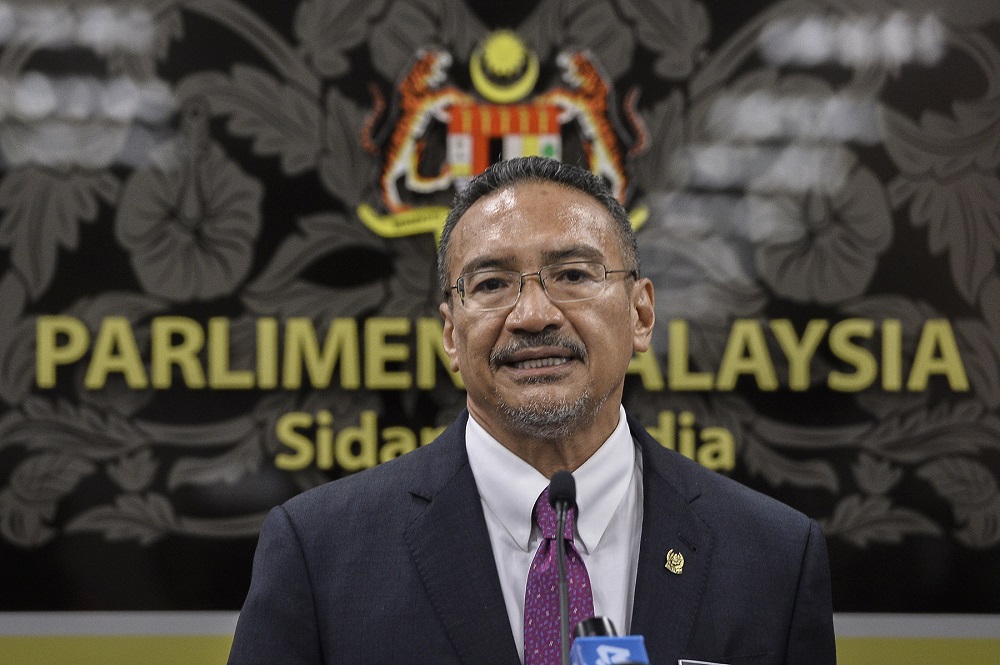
<point>218,225</point>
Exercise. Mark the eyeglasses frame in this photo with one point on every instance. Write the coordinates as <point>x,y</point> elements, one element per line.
<point>459,287</point>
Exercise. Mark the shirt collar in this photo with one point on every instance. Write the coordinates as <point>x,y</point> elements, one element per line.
<point>509,486</point>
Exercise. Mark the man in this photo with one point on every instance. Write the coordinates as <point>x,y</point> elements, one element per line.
<point>431,558</point>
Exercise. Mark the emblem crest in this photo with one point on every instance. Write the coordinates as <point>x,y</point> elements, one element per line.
<point>675,562</point>
<point>443,136</point>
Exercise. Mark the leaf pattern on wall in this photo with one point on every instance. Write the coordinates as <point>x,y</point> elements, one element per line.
<point>65,426</point>
<point>145,519</point>
<point>17,360</point>
<point>974,496</point>
<point>42,211</point>
<point>685,21</point>
<point>875,476</point>
<point>278,117</point>
<point>245,457</point>
<point>328,29</point>
<point>780,470</point>
<point>863,521</point>
<point>983,348</point>
<point>593,25</point>
<point>949,177</point>
<point>29,503</point>
<point>409,26</point>
<point>654,168</point>
<point>134,473</point>
<point>345,168</point>
<point>279,291</point>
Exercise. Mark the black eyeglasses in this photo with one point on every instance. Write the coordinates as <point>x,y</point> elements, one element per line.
<point>485,290</point>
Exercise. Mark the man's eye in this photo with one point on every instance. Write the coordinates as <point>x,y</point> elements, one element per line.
<point>491,285</point>
<point>573,275</point>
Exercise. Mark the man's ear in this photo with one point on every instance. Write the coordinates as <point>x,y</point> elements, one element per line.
<point>448,336</point>
<point>644,314</point>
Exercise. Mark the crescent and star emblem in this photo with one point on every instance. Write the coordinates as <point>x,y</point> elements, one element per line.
<point>503,55</point>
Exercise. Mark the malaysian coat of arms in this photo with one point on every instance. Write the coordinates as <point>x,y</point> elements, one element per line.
<point>575,120</point>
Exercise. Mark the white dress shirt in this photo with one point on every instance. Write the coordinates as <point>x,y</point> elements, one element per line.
<point>608,526</point>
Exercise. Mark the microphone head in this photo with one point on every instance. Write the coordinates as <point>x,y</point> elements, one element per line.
<point>562,489</point>
<point>595,627</point>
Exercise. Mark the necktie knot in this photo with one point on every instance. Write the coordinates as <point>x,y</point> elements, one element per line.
<point>545,517</point>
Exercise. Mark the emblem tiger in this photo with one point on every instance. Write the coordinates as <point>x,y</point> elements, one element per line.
<point>423,98</point>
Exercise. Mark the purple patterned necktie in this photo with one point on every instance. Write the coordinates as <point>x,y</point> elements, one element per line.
<point>541,596</point>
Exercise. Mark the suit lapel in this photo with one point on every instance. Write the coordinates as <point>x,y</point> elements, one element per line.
<point>451,547</point>
<point>666,602</point>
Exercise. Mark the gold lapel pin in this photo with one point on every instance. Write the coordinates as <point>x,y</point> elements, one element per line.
<point>675,562</point>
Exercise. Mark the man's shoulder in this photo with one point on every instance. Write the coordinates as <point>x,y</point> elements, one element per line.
<point>389,482</point>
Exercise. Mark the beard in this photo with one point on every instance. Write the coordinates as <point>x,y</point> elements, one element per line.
<point>550,420</point>
<point>547,419</point>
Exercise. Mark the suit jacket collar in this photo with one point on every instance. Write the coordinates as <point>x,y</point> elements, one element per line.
<point>450,545</point>
<point>666,602</point>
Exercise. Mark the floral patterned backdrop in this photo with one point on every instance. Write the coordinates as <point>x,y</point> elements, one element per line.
<point>816,188</point>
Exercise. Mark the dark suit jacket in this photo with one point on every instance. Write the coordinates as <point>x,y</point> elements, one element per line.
<point>393,565</point>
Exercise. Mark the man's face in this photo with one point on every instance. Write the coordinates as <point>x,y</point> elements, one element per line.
<point>542,369</point>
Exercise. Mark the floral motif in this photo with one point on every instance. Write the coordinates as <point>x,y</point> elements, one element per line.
<point>835,259</point>
<point>190,219</point>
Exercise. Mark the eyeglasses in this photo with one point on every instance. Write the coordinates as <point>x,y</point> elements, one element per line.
<point>485,290</point>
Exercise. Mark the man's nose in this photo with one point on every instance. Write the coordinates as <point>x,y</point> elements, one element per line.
<point>534,310</point>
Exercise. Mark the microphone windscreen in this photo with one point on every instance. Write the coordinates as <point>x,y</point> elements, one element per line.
<point>562,489</point>
<point>595,627</point>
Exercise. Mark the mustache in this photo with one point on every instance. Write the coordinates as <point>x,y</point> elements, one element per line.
<point>526,341</point>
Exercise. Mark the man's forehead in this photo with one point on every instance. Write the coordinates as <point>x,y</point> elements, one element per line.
<point>531,257</point>
<point>528,223</point>
<point>495,203</point>
<point>534,207</point>
<point>514,195</point>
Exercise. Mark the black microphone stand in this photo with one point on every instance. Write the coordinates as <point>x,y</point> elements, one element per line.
<point>562,496</point>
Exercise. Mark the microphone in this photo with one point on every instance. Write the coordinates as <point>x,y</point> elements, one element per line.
<point>597,643</point>
<point>562,497</point>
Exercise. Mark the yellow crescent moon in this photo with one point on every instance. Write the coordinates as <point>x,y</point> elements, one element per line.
<point>503,94</point>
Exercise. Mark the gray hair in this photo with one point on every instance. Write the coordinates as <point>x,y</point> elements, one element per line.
<point>506,174</point>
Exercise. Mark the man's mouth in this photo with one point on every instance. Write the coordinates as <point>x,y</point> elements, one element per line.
<point>538,363</point>
<point>539,351</point>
